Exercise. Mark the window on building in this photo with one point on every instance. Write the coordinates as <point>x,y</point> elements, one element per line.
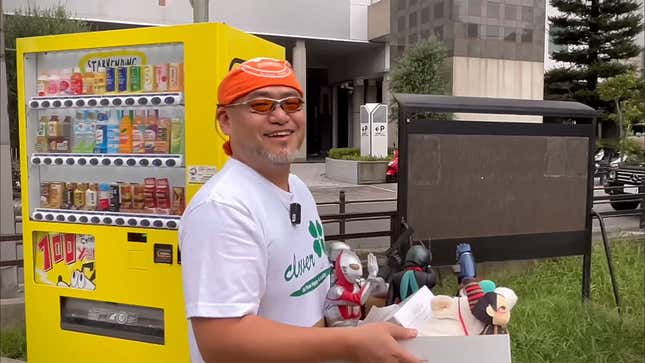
<point>402,4</point>
<point>527,35</point>
<point>412,20</point>
<point>527,14</point>
<point>438,10</point>
<point>474,8</point>
<point>425,15</point>
<point>492,32</point>
<point>510,12</point>
<point>412,38</point>
<point>510,34</point>
<point>400,26</point>
<point>438,32</point>
<point>492,10</point>
<point>472,30</point>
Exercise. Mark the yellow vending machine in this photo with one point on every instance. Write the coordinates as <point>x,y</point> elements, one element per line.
<point>118,132</point>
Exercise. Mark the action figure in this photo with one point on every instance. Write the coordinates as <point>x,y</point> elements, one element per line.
<point>349,291</point>
<point>416,274</point>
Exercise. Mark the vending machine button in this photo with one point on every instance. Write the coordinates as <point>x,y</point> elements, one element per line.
<point>38,216</point>
<point>157,223</point>
<point>131,162</point>
<point>35,161</point>
<point>119,221</point>
<point>80,103</point>
<point>105,102</point>
<point>132,222</point>
<point>171,162</point>
<point>71,218</point>
<point>96,219</point>
<point>106,162</point>
<point>49,217</point>
<point>107,220</point>
<point>68,103</point>
<point>58,161</point>
<point>118,162</point>
<point>47,161</point>
<point>156,162</point>
<point>45,104</point>
<point>155,100</point>
<point>142,101</point>
<point>70,161</point>
<point>57,103</point>
<point>172,224</point>
<point>145,222</point>
<point>129,101</point>
<point>92,102</point>
<point>33,104</point>
<point>60,218</point>
<point>143,162</point>
<point>94,161</point>
<point>117,102</point>
<point>82,161</point>
<point>169,100</point>
<point>82,219</point>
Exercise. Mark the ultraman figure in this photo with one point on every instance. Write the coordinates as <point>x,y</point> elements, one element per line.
<point>349,291</point>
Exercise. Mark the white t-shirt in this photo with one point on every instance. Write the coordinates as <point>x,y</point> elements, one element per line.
<point>241,254</point>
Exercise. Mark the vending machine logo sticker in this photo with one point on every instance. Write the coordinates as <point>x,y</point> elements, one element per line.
<point>200,174</point>
<point>118,58</point>
<point>65,260</point>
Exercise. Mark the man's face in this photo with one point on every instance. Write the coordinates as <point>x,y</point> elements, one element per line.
<point>274,137</point>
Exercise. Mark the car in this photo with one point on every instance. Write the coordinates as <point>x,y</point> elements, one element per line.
<point>624,179</point>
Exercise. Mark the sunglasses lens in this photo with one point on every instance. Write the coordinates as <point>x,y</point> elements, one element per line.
<point>261,105</point>
<point>292,104</point>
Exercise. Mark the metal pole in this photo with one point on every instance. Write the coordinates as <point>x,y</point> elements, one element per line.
<point>200,11</point>
<point>7,225</point>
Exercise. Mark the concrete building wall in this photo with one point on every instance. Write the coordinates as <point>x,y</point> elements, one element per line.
<point>487,77</point>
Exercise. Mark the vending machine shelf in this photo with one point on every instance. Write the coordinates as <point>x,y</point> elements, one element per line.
<point>108,160</point>
<point>118,219</point>
<point>121,100</point>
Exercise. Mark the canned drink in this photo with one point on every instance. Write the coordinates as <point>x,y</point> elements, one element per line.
<point>114,198</point>
<point>161,77</point>
<point>110,79</point>
<point>148,78</point>
<point>135,78</point>
<point>173,77</point>
<point>123,84</point>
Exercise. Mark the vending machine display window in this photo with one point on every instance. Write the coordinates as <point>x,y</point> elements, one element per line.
<point>105,136</point>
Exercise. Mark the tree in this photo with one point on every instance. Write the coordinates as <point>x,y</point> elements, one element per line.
<point>27,23</point>
<point>624,91</point>
<point>422,69</point>
<point>595,37</point>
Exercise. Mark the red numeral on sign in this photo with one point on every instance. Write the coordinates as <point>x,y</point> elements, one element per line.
<point>57,247</point>
<point>43,245</point>
<point>70,248</point>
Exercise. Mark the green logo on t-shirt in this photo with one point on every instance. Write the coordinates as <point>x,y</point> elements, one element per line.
<point>301,265</point>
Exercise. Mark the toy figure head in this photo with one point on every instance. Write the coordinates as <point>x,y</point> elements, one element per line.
<point>417,256</point>
<point>335,248</point>
<point>493,309</point>
<point>348,268</point>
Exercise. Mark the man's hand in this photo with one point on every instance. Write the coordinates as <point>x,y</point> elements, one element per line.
<point>376,343</point>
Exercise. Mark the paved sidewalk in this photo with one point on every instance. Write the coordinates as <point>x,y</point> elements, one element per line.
<point>9,360</point>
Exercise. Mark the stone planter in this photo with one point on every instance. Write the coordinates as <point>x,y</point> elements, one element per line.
<point>356,172</point>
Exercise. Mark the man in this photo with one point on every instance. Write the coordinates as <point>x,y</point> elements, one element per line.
<point>255,273</point>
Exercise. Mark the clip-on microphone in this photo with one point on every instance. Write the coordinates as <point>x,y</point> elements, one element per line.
<point>294,213</point>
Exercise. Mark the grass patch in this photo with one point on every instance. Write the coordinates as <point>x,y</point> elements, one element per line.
<point>349,153</point>
<point>13,343</point>
<point>551,324</point>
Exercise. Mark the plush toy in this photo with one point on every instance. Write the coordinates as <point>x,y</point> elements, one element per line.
<point>481,310</point>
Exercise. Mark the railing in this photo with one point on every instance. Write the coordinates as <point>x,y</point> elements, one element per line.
<point>628,198</point>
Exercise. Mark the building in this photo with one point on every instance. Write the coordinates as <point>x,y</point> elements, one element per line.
<point>342,49</point>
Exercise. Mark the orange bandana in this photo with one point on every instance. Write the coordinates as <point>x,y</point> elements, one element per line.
<point>255,74</point>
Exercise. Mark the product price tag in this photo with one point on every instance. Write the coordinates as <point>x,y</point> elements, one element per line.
<point>199,174</point>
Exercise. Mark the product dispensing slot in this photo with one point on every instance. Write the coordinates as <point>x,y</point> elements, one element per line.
<point>131,322</point>
<point>137,237</point>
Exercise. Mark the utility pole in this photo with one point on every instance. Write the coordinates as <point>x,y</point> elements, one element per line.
<point>7,223</point>
<point>200,11</point>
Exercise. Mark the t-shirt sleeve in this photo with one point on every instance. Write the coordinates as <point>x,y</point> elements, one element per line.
<point>224,262</point>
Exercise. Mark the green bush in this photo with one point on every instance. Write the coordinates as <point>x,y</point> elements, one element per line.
<point>351,153</point>
<point>13,342</point>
